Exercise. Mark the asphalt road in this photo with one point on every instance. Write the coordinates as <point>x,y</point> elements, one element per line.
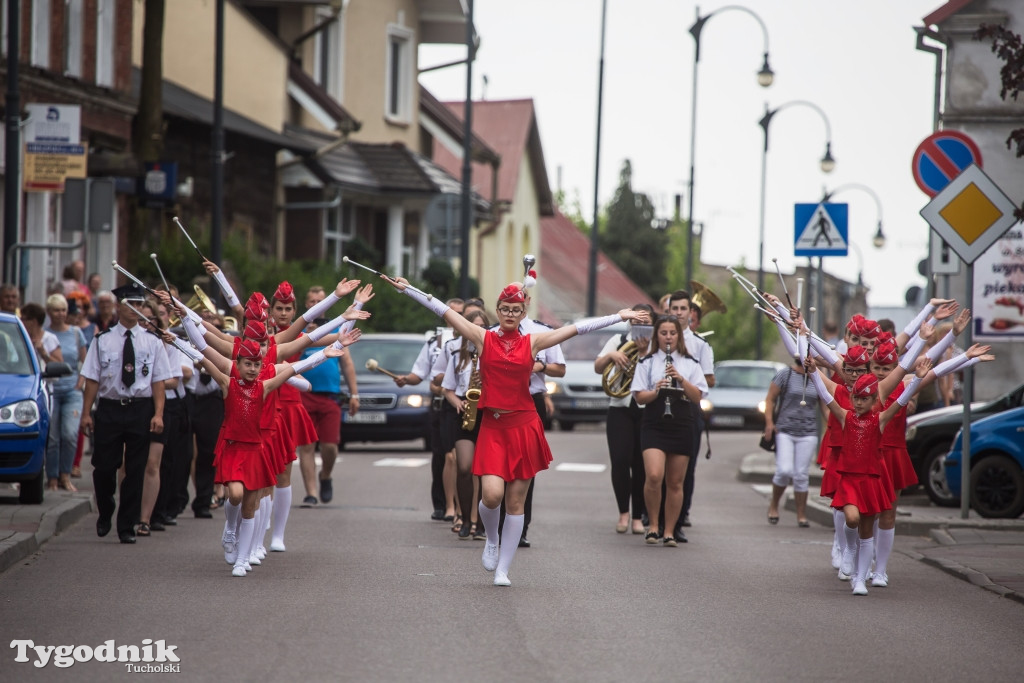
<point>371,590</point>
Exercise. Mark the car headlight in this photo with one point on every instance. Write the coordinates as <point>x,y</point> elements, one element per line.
<point>412,401</point>
<point>911,432</point>
<point>553,387</point>
<point>706,405</point>
<point>760,407</point>
<point>23,413</point>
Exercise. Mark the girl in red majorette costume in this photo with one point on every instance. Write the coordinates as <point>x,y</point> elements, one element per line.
<point>511,448</point>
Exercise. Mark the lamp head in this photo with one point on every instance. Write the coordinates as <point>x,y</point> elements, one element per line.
<point>879,239</point>
<point>765,76</point>
<point>828,163</point>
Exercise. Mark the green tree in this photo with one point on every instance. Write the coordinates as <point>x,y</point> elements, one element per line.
<point>1009,48</point>
<point>629,240</point>
<point>734,329</point>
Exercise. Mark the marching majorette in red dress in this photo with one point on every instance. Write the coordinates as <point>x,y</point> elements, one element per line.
<point>511,447</point>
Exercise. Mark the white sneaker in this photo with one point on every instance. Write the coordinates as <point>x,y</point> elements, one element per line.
<point>230,550</point>
<point>846,566</point>
<point>837,557</point>
<point>248,567</point>
<point>276,546</point>
<point>879,580</point>
<point>238,570</point>
<point>859,588</point>
<point>261,552</point>
<point>254,560</point>
<point>501,579</point>
<point>490,558</point>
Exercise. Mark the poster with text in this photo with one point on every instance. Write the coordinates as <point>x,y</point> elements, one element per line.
<point>999,289</point>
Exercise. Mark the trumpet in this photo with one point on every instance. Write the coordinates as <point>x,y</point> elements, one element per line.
<point>198,303</point>
<point>372,366</point>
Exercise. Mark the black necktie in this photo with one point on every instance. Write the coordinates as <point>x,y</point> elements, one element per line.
<point>128,361</point>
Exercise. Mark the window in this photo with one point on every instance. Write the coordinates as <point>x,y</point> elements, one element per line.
<point>337,231</point>
<point>105,43</point>
<point>73,38</point>
<point>398,89</point>
<point>327,69</point>
<point>40,53</point>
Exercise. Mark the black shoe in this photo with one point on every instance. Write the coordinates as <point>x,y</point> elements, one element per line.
<point>680,536</point>
<point>645,520</point>
<point>127,537</point>
<point>437,515</point>
<point>156,525</point>
<point>203,513</point>
<point>102,527</point>
<point>326,490</point>
<point>686,521</point>
<point>309,502</point>
<point>465,531</point>
<point>170,520</point>
<point>523,543</point>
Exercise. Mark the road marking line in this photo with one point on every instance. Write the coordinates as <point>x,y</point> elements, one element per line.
<point>401,462</point>
<point>580,467</point>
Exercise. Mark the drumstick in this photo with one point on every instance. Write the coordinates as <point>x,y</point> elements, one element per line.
<point>803,398</point>
<point>371,365</point>
<point>799,292</point>
<point>160,270</point>
<point>346,259</point>
<point>189,238</point>
<point>783,281</point>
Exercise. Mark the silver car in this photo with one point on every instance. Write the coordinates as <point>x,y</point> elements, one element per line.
<point>737,399</point>
<point>579,396</point>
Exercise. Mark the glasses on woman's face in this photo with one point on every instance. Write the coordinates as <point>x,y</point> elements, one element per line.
<point>856,371</point>
<point>511,312</point>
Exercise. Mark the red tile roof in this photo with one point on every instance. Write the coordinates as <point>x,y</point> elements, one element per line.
<point>510,128</point>
<point>562,270</point>
<point>946,11</point>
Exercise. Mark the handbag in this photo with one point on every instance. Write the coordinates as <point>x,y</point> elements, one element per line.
<point>768,443</point>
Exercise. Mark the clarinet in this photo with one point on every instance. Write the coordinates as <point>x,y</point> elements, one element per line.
<point>667,415</point>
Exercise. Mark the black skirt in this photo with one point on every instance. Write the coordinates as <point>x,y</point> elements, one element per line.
<point>673,435</point>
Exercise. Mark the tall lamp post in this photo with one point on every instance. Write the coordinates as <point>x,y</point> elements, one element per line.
<point>592,269</point>
<point>878,240</point>
<point>764,78</point>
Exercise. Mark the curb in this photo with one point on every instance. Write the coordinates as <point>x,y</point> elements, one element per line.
<point>973,576</point>
<point>55,520</point>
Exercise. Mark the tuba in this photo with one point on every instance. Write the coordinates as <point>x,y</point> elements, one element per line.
<point>198,303</point>
<point>702,296</point>
<point>617,381</point>
<point>472,398</point>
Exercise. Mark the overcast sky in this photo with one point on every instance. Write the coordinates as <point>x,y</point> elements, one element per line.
<point>855,60</point>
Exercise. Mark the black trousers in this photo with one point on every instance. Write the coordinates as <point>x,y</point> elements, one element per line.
<point>698,432</point>
<point>207,415</point>
<point>177,448</point>
<point>120,434</point>
<point>436,456</point>
<point>627,458</point>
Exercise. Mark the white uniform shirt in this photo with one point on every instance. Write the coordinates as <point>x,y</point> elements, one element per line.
<point>425,360</point>
<point>551,356</point>
<point>700,350</point>
<point>448,349</point>
<point>454,379</point>
<point>103,363</point>
<point>175,360</point>
<point>651,370</point>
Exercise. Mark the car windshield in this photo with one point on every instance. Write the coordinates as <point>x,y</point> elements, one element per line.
<point>14,358</point>
<point>743,377</point>
<point>586,346</point>
<point>393,355</point>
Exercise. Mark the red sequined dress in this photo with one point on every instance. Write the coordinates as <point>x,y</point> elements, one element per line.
<point>863,480</point>
<point>239,454</point>
<point>832,443</point>
<point>894,445</point>
<point>511,444</point>
<point>296,426</point>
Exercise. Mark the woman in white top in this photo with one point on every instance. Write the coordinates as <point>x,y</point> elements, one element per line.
<point>668,383</point>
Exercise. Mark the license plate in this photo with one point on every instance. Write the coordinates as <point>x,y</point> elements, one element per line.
<point>589,403</point>
<point>727,420</point>
<point>367,417</point>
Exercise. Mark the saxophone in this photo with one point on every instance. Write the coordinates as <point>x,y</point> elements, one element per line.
<point>472,398</point>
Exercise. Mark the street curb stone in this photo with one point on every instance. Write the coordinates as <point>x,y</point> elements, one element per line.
<point>20,545</point>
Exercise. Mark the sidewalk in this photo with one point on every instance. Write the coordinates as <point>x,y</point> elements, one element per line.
<point>24,528</point>
<point>987,552</point>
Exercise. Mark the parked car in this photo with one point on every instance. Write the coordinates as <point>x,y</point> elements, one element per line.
<point>387,412</point>
<point>997,465</point>
<point>24,410</point>
<point>930,437</point>
<point>579,396</point>
<point>737,399</point>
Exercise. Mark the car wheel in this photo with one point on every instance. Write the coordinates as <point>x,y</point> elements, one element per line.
<point>566,426</point>
<point>31,492</point>
<point>934,479</point>
<point>997,487</point>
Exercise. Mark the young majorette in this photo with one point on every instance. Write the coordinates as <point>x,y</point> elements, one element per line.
<point>511,448</point>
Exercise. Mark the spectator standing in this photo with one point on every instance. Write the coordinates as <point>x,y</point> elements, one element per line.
<point>66,397</point>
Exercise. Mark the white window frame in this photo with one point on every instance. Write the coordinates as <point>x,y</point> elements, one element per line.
<point>335,239</point>
<point>74,11</point>
<point>329,40</point>
<point>40,50</point>
<point>105,36</point>
<point>398,86</point>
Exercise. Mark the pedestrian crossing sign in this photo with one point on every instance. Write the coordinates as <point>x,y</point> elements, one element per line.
<point>821,229</point>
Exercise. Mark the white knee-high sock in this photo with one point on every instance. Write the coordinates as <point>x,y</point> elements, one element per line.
<point>269,503</point>
<point>490,517</point>
<point>864,554</point>
<point>282,507</point>
<point>231,514</point>
<point>883,549</point>
<point>874,534</point>
<point>511,531</point>
<point>851,538</point>
<point>244,540</point>
<point>839,522</point>
<point>262,519</point>
<point>257,532</point>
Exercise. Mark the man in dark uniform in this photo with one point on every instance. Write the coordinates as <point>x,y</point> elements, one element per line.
<point>125,369</point>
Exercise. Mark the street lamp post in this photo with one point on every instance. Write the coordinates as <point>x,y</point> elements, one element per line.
<point>764,78</point>
<point>827,164</point>
<point>592,269</point>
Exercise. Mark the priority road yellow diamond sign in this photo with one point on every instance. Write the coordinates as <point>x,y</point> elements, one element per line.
<point>970,213</point>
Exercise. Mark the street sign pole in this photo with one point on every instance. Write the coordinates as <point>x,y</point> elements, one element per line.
<point>965,460</point>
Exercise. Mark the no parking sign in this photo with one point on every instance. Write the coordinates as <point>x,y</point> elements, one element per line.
<point>941,157</point>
